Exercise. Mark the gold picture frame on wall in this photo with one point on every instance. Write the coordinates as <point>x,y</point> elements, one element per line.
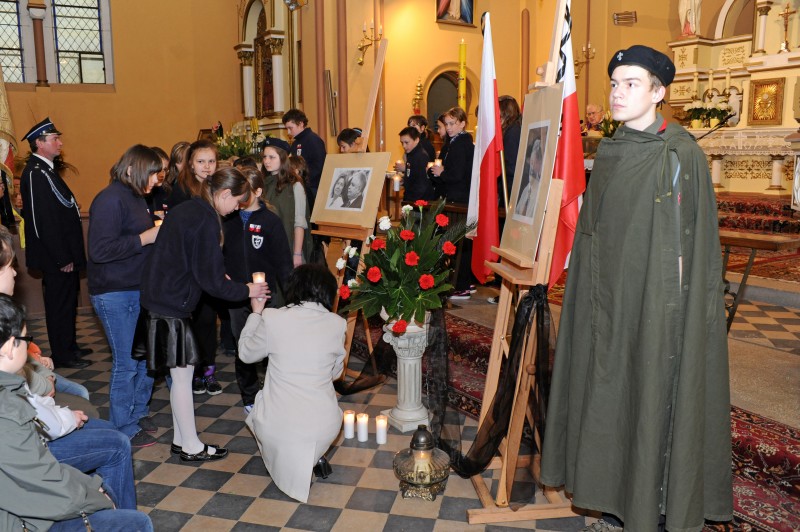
<point>766,102</point>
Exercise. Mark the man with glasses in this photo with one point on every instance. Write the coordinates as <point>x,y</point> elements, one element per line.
<point>594,115</point>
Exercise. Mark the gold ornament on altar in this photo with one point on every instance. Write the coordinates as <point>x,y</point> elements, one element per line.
<point>766,102</point>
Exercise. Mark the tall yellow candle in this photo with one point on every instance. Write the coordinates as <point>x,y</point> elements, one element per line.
<point>254,125</point>
<point>462,75</point>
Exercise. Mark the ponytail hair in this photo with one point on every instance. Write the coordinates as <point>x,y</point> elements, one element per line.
<point>186,178</point>
<point>229,178</point>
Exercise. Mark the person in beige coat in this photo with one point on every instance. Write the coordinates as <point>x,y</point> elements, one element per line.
<point>296,417</point>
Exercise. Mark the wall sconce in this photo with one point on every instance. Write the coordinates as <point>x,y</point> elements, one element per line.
<point>627,18</point>
<point>368,40</point>
<point>587,54</point>
<point>295,4</point>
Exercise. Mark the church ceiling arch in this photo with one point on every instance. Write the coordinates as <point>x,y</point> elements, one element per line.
<point>735,18</point>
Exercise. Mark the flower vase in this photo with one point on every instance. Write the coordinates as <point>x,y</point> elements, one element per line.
<point>697,123</point>
<point>409,412</point>
<point>713,122</point>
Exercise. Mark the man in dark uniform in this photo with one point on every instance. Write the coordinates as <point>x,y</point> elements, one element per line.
<point>54,241</point>
<point>309,146</point>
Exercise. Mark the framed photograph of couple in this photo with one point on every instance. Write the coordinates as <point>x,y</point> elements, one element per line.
<point>350,189</point>
<point>534,170</point>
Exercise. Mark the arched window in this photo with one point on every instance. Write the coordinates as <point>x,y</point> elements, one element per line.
<point>10,42</point>
<point>78,41</point>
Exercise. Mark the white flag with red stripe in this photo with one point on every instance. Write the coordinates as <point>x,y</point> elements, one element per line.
<point>486,164</point>
<point>569,156</point>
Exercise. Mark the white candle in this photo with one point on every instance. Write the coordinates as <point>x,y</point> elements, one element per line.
<point>437,162</point>
<point>430,165</point>
<point>695,83</point>
<point>381,428</point>
<point>728,78</point>
<point>364,29</point>
<point>259,277</point>
<point>158,222</point>
<point>396,180</point>
<point>362,426</point>
<point>349,424</point>
<point>710,80</point>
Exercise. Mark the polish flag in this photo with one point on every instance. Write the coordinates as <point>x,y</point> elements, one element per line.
<point>486,164</point>
<point>569,156</point>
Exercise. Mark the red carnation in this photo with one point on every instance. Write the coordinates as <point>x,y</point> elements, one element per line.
<point>344,291</point>
<point>400,326</point>
<point>377,244</point>
<point>426,281</point>
<point>442,220</point>
<point>374,274</point>
<point>421,203</point>
<point>448,248</point>
<point>407,235</point>
<point>412,259</point>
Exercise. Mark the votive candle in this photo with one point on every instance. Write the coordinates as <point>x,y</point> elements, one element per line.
<point>157,223</point>
<point>396,180</point>
<point>437,162</point>
<point>362,426</point>
<point>381,428</point>
<point>259,277</point>
<point>349,424</point>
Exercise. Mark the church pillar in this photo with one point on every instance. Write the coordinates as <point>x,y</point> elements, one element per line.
<point>716,170</point>
<point>37,10</point>
<point>279,93</point>
<point>762,9</point>
<point>777,172</point>
<point>245,54</point>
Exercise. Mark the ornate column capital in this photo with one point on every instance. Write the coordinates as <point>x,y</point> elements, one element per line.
<point>763,10</point>
<point>275,45</point>
<point>245,57</point>
<point>37,9</point>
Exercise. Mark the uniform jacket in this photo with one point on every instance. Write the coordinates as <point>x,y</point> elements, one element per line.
<point>310,147</point>
<point>456,178</point>
<point>416,183</point>
<point>36,489</point>
<point>283,202</point>
<point>186,260</point>
<point>638,422</point>
<point>116,255</point>
<point>260,245</point>
<point>53,232</point>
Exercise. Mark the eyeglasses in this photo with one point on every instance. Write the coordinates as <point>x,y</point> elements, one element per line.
<point>27,339</point>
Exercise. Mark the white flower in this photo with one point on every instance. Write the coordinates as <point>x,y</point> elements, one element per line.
<point>341,263</point>
<point>369,239</point>
<point>347,250</point>
<point>384,224</point>
<point>352,283</point>
<point>353,252</point>
<point>407,209</point>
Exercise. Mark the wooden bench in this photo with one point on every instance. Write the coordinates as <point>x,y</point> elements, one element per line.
<point>755,242</point>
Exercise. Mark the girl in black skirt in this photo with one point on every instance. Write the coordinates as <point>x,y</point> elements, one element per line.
<point>186,260</point>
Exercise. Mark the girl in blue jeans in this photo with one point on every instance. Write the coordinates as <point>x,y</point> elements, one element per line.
<point>120,233</point>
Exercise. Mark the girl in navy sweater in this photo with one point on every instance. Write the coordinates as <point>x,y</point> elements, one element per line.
<point>186,261</point>
<point>255,241</point>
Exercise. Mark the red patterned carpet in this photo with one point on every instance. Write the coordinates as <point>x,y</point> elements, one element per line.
<point>766,454</point>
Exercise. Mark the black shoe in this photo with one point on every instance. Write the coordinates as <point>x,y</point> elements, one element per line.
<point>204,456</point>
<point>73,364</point>
<point>175,449</point>
<point>323,468</point>
<point>83,351</point>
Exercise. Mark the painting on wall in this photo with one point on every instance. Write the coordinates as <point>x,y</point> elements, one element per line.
<point>455,12</point>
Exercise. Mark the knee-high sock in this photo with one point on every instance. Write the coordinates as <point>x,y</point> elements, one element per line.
<point>182,403</point>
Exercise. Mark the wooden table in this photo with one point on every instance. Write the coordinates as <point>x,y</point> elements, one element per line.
<point>754,241</point>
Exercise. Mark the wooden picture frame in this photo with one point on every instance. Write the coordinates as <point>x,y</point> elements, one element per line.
<point>766,102</point>
<point>459,12</point>
<point>535,161</point>
<point>350,189</point>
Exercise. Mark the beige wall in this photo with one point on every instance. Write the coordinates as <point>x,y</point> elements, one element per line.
<point>175,72</point>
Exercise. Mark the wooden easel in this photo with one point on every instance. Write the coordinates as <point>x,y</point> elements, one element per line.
<point>519,274</point>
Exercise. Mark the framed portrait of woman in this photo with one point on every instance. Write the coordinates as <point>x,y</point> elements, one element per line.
<point>350,189</point>
<point>534,170</point>
<point>455,12</point>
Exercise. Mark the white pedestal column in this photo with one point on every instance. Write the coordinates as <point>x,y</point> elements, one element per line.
<point>245,54</point>
<point>278,90</point>
<point>775,187</point>
<point>716,170</point>
<point>762,9</point>
<point>409,347</point>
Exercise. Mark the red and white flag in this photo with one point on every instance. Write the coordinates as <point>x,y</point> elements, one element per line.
<point>569,156</point>
<point>486,164</point>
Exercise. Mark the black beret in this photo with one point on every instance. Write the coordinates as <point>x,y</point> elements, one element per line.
<point>275,142</point>
<point>649,59</point>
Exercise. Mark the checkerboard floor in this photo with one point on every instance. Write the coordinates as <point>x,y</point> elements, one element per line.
<point>361,494</point>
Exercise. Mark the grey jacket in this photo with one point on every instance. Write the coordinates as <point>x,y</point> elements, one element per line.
<point>36,489</point>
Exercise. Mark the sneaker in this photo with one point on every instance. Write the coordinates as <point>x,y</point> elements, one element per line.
<point>142,439</point>
<point>461,294</point>
<point>248,409</point>
<point>198,386</point>
<point>148,425</point>
<point>212,386</point>
<point>473,288</point>
<point>602,526</point>
<point>493,300</point>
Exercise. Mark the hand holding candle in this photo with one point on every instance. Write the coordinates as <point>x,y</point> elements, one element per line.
<point>381,429</point>
<point>362,426</point>
<point>396,180</point>
<point>259,277</point>
<point>349,424</point>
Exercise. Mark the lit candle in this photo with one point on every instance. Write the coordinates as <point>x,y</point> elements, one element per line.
<point>381,428</point>
<point>259,277</point>
<point>396,179</point>
<point>710,79</point>
<point>437,162</point>
<point>372,24</point>
<point>380,30</point>
<point>349,424</point>
<point>462,75</point>
<point>362,426</point>
<point>728,78</point>
<point>158,222</point>
<point>364,29</point>
<point>429,166</point>
<point>160,214</point>
<point>254,125</point>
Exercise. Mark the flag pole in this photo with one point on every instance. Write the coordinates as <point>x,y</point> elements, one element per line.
<point>505,180</point>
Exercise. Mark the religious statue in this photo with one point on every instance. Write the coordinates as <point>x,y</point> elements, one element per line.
<point>689,14</point>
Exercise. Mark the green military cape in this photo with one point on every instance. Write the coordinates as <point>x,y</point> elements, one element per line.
<point>638,422</point>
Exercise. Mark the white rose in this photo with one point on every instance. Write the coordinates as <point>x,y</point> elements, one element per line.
<point>341,263</point>
<point>352,283</point>
<point>384,224</point>
<point>353,252</point>
<point>346,250</point>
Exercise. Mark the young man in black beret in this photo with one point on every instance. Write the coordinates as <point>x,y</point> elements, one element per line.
<point>638,423</point>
